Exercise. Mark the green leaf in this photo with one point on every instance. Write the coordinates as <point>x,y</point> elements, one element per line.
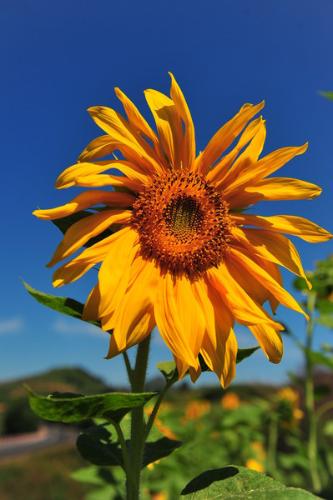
<point>327,93</point>
<point>328,428</point>
<point>64,305</point>
<point>326,320</point>
<point>324,306</point>
<point>93,475</point>
<point>156,450</point>
<point>235,482</point>
<point>102,493</point>
<point>96,447</point>
<point>169,370</point>
<point>319,358</point>
<point>76,408</point>
<point>300,284</point>
<point>245,353</point>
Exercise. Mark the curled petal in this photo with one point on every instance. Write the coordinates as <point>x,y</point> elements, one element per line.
<point>86,200</point>
<point>179,319</point>
<point>225,136</point>
<point>188,146</point>
<point>269,340</point>
<point>264,167</point>
<point>82,231</point>
<point>290,224</point>
<point>265,279</point>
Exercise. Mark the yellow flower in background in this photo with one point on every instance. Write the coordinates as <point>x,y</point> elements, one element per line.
<point>164,429</point>
<point>196,409</point>
<point>230,401</point>
<point>288,395</point>
<point>182,255</point>
<point>253,464</point>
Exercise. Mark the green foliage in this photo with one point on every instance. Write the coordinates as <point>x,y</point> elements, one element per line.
<point>326,320</point>
<point>319,358</point>
<point>239,482</point>
<point>64,305</point>
<point>74,408</point>
<point>18,418</point>
<point>93,475</point>
<point>327,93</point>
<point>245,353</point>
<point>96,447</point>
<point>155,450</point>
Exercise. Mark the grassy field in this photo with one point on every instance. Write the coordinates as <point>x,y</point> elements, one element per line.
<point>42,476</point>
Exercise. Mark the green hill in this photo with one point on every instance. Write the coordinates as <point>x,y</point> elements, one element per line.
<point>57,380</point>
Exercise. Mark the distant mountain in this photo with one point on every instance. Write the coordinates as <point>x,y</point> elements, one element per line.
<point>64,379</point>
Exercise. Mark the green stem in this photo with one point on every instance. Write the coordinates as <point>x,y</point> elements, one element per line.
<point>138,426</point>
<point>272,445</point>
<point>124,448</point>
<point>312,445</point>
<point>128,367</point>
<point>156,407</point>
<point>323,409</point>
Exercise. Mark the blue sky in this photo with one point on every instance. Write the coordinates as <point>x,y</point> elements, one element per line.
<point>59,58</point>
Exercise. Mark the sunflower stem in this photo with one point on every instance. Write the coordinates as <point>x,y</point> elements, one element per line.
<point>138,426</point>
<point>157,405</point>
<point>272,445</point>
<point>311,420</point>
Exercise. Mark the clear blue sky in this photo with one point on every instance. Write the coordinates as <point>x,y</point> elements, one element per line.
<point>58,58</point>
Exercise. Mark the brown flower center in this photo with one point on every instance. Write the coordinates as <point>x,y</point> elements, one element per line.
<point>183,224</point>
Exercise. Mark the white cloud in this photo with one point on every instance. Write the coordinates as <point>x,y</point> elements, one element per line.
<point>76,327</point>
<point>11,325</point>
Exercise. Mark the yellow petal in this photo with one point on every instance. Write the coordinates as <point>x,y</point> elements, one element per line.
<point>135,117</point>
<point>103,180</point>
<point>247,159</point>
<point>84,173</point>
<point>82,231</point>
<point>167,122</point>
<point>113,124</point>
<point>275,188</point>
<point>245,310</point>
<point>75,268</point>
<point>135,319</point>
<point>145,322</point>
<point>189,133</point>
<point>114,274</point>
<point>264,167</point>
<point>290,224</point>
<point>253,288</point>
<point>217,174</point>
<point>179,318</point>
<point>222,359</point>
<point>99,147</point>
<point>265,279</point>
<point>90,310</point>
<point>225,136</point>
<point>273,247</point>
<point>269,340</point>
<point>86,200</point>
<point>219,346</point>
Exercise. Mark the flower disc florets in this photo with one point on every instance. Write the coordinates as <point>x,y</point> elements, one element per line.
<point>183,224</point>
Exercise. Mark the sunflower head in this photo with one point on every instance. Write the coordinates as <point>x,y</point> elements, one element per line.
<point>182,223</point>
<point>171,234</point>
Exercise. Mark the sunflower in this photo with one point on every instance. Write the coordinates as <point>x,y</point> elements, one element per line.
<point>176,247</point>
